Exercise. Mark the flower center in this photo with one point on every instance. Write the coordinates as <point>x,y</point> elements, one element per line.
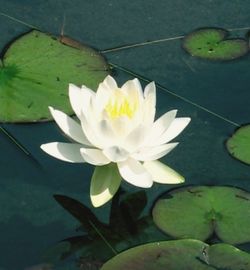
<point>121,105</point>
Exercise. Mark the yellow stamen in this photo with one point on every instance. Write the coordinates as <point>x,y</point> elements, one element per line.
<point>121,105</point>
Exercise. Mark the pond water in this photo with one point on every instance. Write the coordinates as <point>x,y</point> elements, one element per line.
<point>214,94</point>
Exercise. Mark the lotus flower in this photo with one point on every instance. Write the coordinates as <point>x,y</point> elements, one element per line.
<point>117,133</point>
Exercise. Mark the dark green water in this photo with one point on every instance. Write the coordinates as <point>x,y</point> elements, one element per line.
<point>31,220</point>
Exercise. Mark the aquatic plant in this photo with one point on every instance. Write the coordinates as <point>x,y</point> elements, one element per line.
<point>118,134</point>
<point>213,44</point>
<point>239,144</point>
<point>35,72</point>
<point>209,209</point>
<point>188,254</point>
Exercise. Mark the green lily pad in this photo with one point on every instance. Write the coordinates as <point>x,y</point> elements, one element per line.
<point>198,212</point>
<point>239,144</point>
<point>211,43</point>
<point>182,255</point>
<point>35,73</point>
<point>227,257</point>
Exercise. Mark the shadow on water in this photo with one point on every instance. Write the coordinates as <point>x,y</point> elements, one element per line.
<point>126,228</point>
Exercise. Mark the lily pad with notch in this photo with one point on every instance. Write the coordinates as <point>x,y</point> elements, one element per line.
<point>212,44</point>
<point>199,212</point>
<point>35,73</point>
<point>239,144</point>
<point>185,254</point>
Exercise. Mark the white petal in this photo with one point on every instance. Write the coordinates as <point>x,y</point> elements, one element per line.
<point>155,152</point>
<point>94,156</point>
<point>149,104</point>
<point>69,152</point>
<point>104,91</point>
<point>163,174</point>
<point>115,153</point>
<point>135,138</point>
<point>121,126</point>
<point>159,127</point>
<point>134,173</point>
<point>133,90</point>
<point>148,114</point>
<point>105,133</point>
<point>150,93</point>
<point>79,98</point>
<point>102,96</point>
<point>174,130</point>
<point>90,133</point>
<point>87,96</point>
<point>110,82</point>
<point>69,126</point>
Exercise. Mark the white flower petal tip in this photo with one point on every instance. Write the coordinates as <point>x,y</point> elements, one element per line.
<point>185,121</point>
<point>134,173</point>
<point>73,87</point>
<point>110,82</point>
<point>160,127</point>
<point>51,108</point>
<point>175,128</point>
<point>163,174</point>
<point>100,199</point>
<point>150,93</point>
<point>69,126</point>
<point>74,90</point>
<point>155,152</point>
<point>79,98</point>
<point>133,88</point>
<point>105,182</point>
<point>69,152</point>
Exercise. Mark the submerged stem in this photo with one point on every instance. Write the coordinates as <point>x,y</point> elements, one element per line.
<point>103,238</point>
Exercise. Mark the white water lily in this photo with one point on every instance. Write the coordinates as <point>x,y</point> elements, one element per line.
<point>117,133</point>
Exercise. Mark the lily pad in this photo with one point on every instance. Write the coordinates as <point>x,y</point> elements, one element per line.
<point>227,257</point>
<point>239,144</point>
<point>182,255</point>
<point>211,43</point>
<point>35,73</point>
<point>198,212</point>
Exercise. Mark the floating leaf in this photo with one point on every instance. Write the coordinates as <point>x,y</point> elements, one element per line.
<point>227,257</point>
<point>211,43</point>
<point>35,73</point>
<point>239,144</point>
<point>198,212</point>
<point>182,255</point>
